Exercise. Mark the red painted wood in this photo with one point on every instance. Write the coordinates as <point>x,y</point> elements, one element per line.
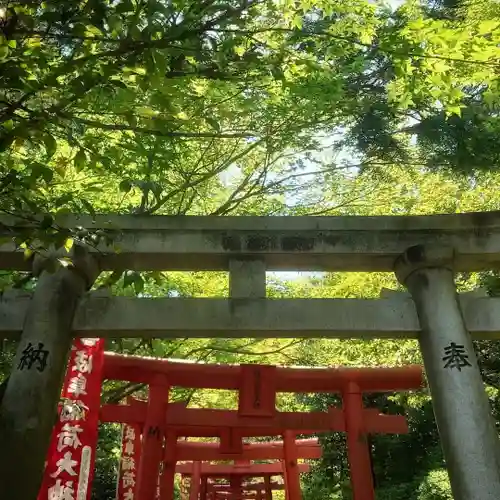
<point>235,483</point>
<point>358,451</point>
<point>169,463</point>
<point>251,486</point>
<point>197,422</point>
<point>140,369</point>
<point>190,451</point>
<point>253,470</point>
<point>194,489</point>
<point>152,442</point>
<point>257,396</point>
<point>257,415</point>
<point>282,420</point>
<point>203,488</point>
<point>231,441</point>
<point>259,445</point>
<point>285,479</point>
<point>268,488</point>
<point>250,490</point>
<point>227,495</point>
<point>291,466</point>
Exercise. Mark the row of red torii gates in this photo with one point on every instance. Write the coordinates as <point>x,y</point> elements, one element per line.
<point>153,453</point>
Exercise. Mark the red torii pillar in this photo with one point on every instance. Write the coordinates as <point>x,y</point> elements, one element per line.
<point>236,491</point>
<point>268,491</point>
<point>358,450</point>
<point>169,463</point>
<point>203,488</point>
<point>285,480</point>
<point>194,488</point>
<point>237,481</point>
<point>152,440</point>
<point>353,416</point>
<point>293,490</point>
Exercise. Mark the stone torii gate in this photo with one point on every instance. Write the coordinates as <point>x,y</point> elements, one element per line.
<point>424,252</point>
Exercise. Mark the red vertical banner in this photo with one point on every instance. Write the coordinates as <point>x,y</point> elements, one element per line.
<point>129,462</point>
<point>69,468</point>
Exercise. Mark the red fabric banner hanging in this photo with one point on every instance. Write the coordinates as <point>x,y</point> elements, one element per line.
<point>129,463</point>
<point>69,468</point>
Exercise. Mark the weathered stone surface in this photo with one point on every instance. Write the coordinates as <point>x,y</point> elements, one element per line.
<point>394,317</point>
<point>285,243</point>
<point>29,405</point>
<point>461,407</point>
<point>247,279</point>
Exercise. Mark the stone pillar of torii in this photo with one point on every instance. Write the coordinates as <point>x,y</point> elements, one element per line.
<point>468,435</point>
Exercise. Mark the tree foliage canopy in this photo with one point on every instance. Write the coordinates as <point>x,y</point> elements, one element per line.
<point>158,103</point>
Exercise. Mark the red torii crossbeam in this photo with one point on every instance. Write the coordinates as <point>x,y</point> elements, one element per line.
<point>210,452</point>
<point>247,486</point>
<point>278,379</point>
<point>198,422</point>
<point>246,471</point>
<point>257,386</point>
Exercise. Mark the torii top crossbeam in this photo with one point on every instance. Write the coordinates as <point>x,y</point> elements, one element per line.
<point>289,243</point>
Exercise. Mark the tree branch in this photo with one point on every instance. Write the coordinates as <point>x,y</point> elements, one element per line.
<point>157,133</point>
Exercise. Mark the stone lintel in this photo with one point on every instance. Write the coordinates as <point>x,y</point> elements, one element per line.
<point>127,317</point>
<point>284,243</point>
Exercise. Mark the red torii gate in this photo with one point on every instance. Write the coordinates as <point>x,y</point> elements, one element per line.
<point>290,453</point>
<point>249,490</point>
<point>242,468</point>
<point>257,386</point>
<point>200,473</point>
<point>175,450</point>
<point>192,422</point>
